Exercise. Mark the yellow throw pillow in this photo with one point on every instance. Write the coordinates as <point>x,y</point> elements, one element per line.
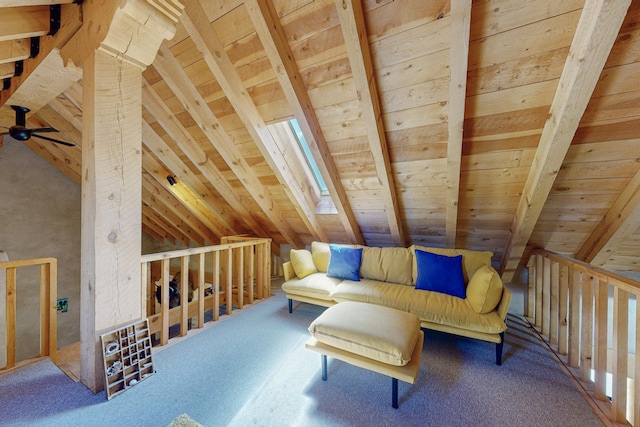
<point>484,290</point>
<point>302,262</point>
<point>321,255</point>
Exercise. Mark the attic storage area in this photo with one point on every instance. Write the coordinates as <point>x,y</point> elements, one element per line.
<point>441,123</point>
<point>396,181</point>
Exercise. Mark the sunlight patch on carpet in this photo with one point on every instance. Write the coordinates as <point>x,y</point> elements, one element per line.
<point>184,420</point>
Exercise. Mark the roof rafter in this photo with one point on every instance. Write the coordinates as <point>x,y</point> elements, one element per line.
<point>154,104</point>
<point>206,40</point>
<point>357,44</point>
<point>621,220</point>
<point>271,34</point>
<point>190,224</point>
<point>458,61</point>
<point>597,29</point>
<point>207,207</point>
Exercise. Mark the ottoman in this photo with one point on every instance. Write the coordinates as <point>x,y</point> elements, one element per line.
<point>380,339</point>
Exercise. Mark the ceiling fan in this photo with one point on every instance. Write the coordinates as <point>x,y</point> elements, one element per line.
<point>20,132</point>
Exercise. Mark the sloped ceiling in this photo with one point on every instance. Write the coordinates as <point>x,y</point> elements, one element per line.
<point>499,125</point>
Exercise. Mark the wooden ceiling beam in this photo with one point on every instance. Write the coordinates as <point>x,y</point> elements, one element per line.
<point>159,189</point>
<point>205,217</point>
<point>165,118</point>
<point>209,208</point>
<point>173,74</point>
<point>155,202</point>
<point>356,41</point>
<point>458,62</point>
<point>206,40</point>
<point>151,232</point>
<point>271,34</point>
<point>597,29</point>
<point>621,221</point>
<point>160,224</point>
<point>69,25</point>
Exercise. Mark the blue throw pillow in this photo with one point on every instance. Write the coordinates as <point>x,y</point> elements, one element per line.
<point>344,262</point>
<point>440,273</point>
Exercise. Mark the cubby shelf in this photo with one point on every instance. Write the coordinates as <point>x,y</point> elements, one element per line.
<point>127,357</point>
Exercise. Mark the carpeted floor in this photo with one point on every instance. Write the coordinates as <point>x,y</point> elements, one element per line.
<point>251,369</point>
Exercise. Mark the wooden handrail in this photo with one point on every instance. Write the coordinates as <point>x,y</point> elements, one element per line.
<point>239,272</point>
<point>569,302</point>
<point>48,285</point>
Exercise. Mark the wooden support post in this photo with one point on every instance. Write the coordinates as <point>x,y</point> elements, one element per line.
<point>201,270</point>
<point>546,297</point>
<point>600,338</point>
<point>563,310</point>
<point>250,271</point>
<point>164,306</point>
<point>574,318</point>
<point>554,301</point>
<point>11,317</point>
<point>48,312</point>
<point>116,42</point>
<point>216,285</point>
<point>586,329</point>
<point>184,295</point>
<point>620,355</point>
<point>229,279</point>
<point>539,286</point>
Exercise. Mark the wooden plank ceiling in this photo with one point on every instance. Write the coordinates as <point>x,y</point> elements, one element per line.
<point>500,125</point>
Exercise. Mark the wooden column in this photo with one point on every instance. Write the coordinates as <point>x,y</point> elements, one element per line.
<point>130,34</point>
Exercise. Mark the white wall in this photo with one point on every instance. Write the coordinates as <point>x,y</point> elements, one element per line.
<point>40,217</point>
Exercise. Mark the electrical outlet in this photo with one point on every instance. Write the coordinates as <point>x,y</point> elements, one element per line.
<point>63,305</point>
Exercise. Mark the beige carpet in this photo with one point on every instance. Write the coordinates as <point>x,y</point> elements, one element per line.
<point>184,420</point>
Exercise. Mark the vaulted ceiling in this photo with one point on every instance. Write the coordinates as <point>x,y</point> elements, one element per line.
<point>500,125</point>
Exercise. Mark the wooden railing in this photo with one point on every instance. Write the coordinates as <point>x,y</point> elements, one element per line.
<point>587,314</point>
<point>232,274</point>
<point>48,283</point>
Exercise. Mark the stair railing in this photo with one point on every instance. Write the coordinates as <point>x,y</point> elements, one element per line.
<point>231,274</point>
<point>48,283</point>
<point>587,316</point>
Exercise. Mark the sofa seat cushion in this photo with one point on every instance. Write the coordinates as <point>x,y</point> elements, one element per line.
<point>429,306</point>
<point>375,332</point>
<point>315,285</point>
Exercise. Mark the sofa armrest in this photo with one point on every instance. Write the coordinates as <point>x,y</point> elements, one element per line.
<point>287,269</point>
<point>503,305</point>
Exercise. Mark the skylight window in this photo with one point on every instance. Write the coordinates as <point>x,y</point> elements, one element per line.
<point>306,151</point>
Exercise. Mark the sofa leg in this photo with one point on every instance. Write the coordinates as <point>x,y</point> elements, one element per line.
<point>290,306</point>
<point>499,350</point>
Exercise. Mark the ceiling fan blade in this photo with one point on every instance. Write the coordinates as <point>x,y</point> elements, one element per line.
<point>43,130</point>
<point>57,141</point>
<point>4,133</point>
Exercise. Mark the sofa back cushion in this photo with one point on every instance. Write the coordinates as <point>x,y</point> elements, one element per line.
<point>321,255</point>
<point>471,260</point>
<point>387,265</point>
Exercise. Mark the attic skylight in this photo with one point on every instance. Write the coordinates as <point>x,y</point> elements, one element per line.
<point>302,143</point>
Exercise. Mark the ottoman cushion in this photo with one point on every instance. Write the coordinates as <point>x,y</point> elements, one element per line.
<point>379,333</point>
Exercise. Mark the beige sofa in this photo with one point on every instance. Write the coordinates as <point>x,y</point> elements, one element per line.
<point>388,277</point>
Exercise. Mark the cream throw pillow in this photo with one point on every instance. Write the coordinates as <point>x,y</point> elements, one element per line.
<point>302,262</point>
<point>321,255</point>
<point>484,290</point>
